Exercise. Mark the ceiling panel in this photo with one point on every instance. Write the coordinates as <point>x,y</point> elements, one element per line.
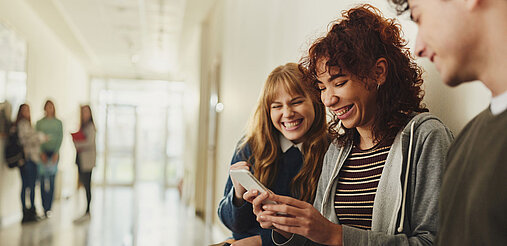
<point>129,36</point>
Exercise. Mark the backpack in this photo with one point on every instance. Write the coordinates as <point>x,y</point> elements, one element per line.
<point>14,154</point>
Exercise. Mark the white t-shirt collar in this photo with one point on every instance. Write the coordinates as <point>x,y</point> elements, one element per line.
<point>499,103</point>
<point>285,144</point>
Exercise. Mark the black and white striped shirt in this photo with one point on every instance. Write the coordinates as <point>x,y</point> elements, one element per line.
<point>357,185</point>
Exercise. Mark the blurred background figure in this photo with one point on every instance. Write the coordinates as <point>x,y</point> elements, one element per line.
<point>5,118</point>
<point>86,156</point>
<point>49,156</point>
<point>30,140</point>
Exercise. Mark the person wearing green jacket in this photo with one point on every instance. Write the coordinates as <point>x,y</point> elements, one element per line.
<point>49,154</point>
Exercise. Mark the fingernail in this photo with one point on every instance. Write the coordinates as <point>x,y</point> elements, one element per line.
<point>264,207</point>
<point>254,192</point>
<point>262,216</point>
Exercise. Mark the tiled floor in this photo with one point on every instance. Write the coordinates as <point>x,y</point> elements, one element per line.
<point>122,216</point>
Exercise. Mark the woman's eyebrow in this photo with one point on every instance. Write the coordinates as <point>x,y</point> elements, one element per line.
<point>334,76</point>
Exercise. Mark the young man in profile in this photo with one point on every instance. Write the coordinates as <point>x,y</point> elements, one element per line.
<point>467,40</point>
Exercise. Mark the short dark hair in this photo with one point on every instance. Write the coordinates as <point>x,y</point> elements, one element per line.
<point>53,104</point>
<point>400,5</point>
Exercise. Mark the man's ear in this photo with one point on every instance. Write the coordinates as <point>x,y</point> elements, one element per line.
<point>380,71</point>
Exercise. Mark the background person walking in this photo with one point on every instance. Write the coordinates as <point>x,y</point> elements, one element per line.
<point>86,155</point>
<point>48,166</point>
<point>31,141</point>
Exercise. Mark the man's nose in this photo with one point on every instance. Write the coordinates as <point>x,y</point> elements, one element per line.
<point>420,46</point>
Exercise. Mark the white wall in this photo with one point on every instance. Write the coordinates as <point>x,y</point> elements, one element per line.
<point>52,72</point>
<point>260,35</point>
<point>190,67</point>
<point>211,71</point>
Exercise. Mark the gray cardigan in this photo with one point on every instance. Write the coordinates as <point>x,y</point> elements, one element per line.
<point>87,149</point>
<point>405,210</point>
<point>30,140</point>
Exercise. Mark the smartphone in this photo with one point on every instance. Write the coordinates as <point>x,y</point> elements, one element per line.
<point>247,180</point>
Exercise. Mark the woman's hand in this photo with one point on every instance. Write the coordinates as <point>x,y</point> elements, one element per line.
<point>239,190</point>
<point>249,196</point>
<point>249,241</point>
<point>44,137</point>
<point>44,158</point>
<point>54,159</point>
<point>257,203</point>
<point>300,218</point>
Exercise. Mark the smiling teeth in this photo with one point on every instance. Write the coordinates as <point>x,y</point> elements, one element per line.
<point>292,124</point>
<point>343,111</point>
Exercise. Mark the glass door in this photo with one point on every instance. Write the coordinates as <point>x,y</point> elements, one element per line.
<point>140,136</point>
<point>120,145</point>
<point>152,135</point>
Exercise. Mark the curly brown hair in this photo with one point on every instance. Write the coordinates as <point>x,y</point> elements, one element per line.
<point>354,43</point>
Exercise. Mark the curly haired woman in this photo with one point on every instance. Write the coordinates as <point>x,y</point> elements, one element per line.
<point>381,175</point>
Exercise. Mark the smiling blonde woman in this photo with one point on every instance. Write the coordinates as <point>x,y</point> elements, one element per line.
<point>284,148</point>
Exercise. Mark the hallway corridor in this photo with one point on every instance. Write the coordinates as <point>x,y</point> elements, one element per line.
<point>124,216</point>
<point>174,89</point>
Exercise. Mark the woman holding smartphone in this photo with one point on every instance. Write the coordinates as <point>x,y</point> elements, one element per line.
<point>381,176</point>
<point>284,148</point>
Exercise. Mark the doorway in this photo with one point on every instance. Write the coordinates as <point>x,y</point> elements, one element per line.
<point>120,145</point>
<point>140,132</point>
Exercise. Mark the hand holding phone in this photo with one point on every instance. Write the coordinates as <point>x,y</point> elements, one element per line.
<point>247,180</point>
<point>239,190</point>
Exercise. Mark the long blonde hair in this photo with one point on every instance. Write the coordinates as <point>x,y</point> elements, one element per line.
<point>263,137</point>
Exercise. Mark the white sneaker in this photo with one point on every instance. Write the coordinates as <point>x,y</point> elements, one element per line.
<point>84,218</point>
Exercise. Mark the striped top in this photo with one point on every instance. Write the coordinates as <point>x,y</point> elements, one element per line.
<point>357,185</point>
